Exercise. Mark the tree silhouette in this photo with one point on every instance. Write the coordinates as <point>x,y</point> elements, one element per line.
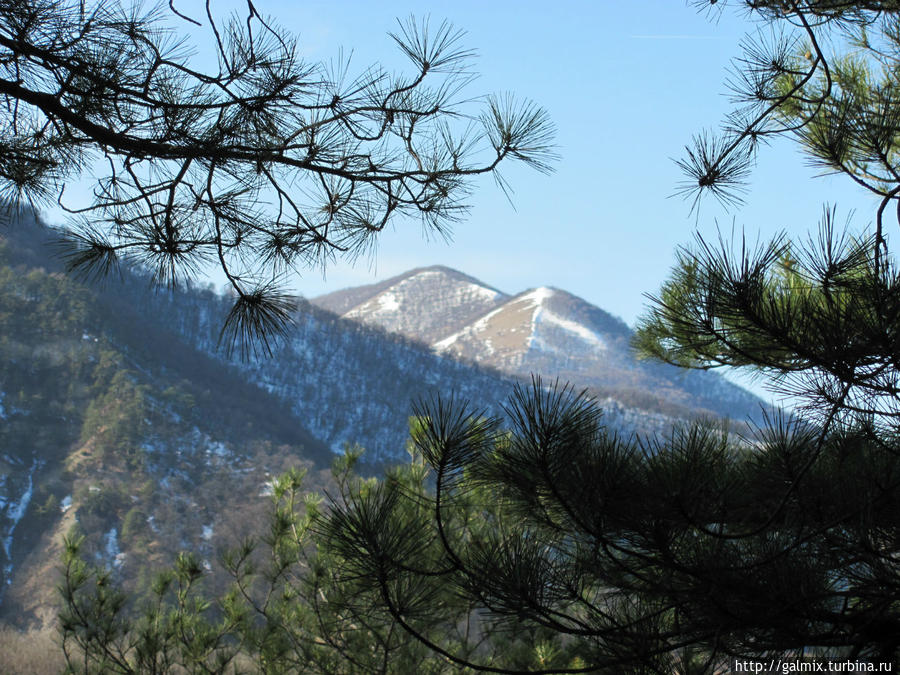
<point>261,164</point>
<point>561,547</point>
<point>685,552</point>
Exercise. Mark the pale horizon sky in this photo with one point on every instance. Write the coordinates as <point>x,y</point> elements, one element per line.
<point>627,85</point>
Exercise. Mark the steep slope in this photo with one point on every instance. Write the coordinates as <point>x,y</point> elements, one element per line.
<point>114,428</point>
<point>544,327</point>
<point>121,420</point>
<point>422,304</point>
<point>555,334</point>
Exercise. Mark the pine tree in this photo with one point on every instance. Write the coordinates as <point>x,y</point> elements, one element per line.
<point>690,550</point>
<point>263,164</point>
<point>557,546</point>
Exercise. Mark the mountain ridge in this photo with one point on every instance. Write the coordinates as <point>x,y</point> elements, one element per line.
<point>122,421</point>
<point>543,330</point>
<point>381,304</point>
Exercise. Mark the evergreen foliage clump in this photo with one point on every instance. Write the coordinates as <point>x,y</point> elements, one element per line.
<point>556,546</point>
<point>700,547</point>
<point>265,163</point>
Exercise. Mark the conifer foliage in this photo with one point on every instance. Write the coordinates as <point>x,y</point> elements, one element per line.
<point>555,546</point>
<point>688,551</point>
<point>259,164</point>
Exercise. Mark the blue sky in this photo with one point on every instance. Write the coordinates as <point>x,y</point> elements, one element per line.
<point>627,85</point>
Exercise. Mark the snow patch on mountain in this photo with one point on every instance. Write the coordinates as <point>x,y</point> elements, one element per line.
<point>480,326</point>
<point>546,317</point>
<point>268,488</point>
<point>14,510</point>
<point>114,555</point>
<point>216,448</point>
<point>387,302</point>
<point>537,296</point>
<point>447,342</point>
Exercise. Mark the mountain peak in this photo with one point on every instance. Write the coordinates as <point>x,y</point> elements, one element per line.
<point>542,330</point>
<point>439,269</point>
<point>424,304</point>
<point>538,295</point>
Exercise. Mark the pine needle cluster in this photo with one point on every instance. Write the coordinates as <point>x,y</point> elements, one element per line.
<point>265,163</point>
<point>544,542</point>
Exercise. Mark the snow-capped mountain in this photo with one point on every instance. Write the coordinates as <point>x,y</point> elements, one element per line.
<point>451,299</point>
<point>545,331</point>
<point>543,326</point>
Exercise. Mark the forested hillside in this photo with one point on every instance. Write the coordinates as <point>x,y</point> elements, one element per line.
<point>543,330</point>
<point>122,417</point>
<point>112,427</point>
